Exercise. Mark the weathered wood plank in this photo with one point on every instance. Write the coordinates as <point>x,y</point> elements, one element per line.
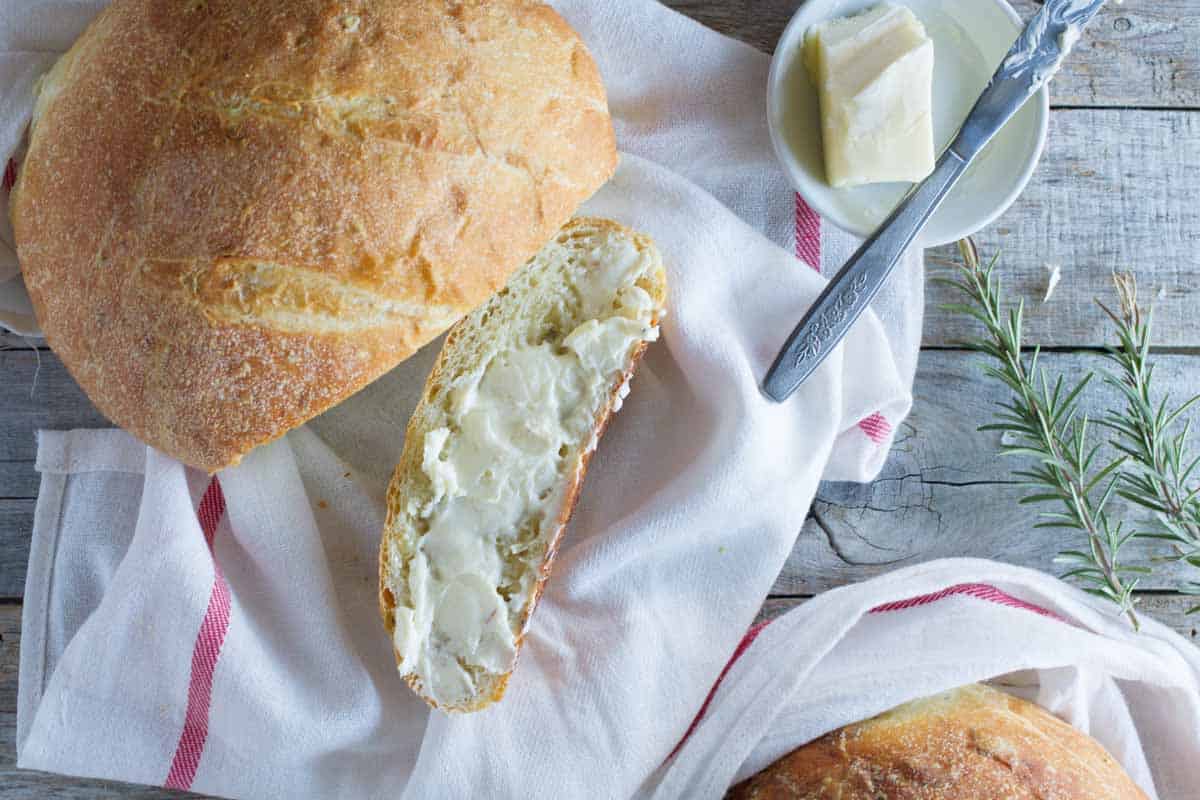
<point>10,341</point>
<point>1169,609</point>
<point>1135,54</point>
<point>18,480</point>
<point>10,647</point>
<point>19,784</point>
<point>1132,54</point>
<point>16,525</point>
<point>38,392</point>
<point>1114,190</point>
<point>944,491</point>
<point>18,490</point>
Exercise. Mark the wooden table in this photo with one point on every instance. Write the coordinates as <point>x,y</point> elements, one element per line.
<point>1117,188</point>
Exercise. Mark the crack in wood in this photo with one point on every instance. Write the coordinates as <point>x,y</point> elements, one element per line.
<point>831,539</point>
<point>920,476</point>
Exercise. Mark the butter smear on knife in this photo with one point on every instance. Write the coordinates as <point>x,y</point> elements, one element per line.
<point>874,77</point>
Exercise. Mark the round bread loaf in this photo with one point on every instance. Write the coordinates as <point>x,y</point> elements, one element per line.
<point>973,743</point>
<point>235,213</point>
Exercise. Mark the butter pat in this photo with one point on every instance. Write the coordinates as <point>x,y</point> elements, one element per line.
<point>874,77</point>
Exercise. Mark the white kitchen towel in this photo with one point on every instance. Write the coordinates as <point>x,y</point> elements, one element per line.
<point>262,670</point>
<point>222,635</point>
<point>287,690</point>
<point>854,652</point>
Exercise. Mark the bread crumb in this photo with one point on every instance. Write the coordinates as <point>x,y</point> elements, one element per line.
<point>1053,276</point>
<point>347,475</point>
<point>322,504</point>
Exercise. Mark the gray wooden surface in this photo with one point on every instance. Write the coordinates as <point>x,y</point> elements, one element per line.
<point>1116,189</point>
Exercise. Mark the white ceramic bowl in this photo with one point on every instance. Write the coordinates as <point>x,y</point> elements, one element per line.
<point>970,38</point>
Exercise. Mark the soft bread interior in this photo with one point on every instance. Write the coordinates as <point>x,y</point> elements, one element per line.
<point>496,450</point>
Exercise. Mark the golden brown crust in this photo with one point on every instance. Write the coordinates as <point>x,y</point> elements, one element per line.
<point>410,464</point>
<point>974,743</point>
<point>236,213</point>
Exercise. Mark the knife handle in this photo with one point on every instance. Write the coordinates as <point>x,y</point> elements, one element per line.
<point>853,288</point>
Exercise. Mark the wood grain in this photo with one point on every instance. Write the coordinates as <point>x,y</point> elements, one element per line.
<point>1114,190</point>
<point>16,523</point>
<point>10,645</point>
<point>18,480</point>
<point>21,784</point>
<point>1132,54</point>
<point>37,392</point>
<point>10,341</point>
<point>944,491</point>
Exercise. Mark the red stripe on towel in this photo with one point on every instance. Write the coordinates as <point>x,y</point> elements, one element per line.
<point>746,641</point>
<point>980,591</point>
<point>808,250</point>
<point>876,427</point>
<point>808,234</point>
<point>205,653</point>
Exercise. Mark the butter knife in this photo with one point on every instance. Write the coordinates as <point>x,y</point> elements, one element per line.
<point>1031,61</point>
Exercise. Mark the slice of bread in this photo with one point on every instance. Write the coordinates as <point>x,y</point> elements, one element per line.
<point>496,452</point>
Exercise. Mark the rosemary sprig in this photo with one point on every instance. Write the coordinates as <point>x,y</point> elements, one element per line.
<point>1160,464</point>
<point>1041,418</point>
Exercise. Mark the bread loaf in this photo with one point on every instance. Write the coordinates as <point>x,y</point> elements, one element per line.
<point>973,743</point>
<point>496,452</point>
<point>235,213</point>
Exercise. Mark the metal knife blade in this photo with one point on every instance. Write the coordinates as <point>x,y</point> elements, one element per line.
<point>1031,61</point>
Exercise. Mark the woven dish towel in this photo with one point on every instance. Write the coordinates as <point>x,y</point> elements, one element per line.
<point>859,650</point>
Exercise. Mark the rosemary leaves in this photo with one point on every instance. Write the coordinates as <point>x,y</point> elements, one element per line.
<point>1040,420</point>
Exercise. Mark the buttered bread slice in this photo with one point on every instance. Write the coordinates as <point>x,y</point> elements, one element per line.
<point>496,452</point>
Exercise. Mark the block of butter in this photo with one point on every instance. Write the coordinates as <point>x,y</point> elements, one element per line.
<point>874,76</point>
